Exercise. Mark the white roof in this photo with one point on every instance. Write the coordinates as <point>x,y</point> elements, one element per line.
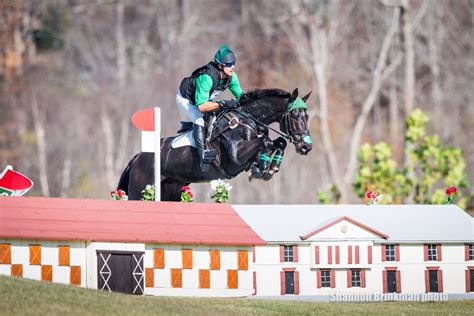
<point>404,223</point>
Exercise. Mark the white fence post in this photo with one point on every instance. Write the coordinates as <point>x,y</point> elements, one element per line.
<point>157,135</point>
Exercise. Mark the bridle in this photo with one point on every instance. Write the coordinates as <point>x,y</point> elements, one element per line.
<point>289,130</point>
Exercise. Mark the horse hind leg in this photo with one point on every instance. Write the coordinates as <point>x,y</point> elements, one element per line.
<point>171,190</point>
<point>125,177</point>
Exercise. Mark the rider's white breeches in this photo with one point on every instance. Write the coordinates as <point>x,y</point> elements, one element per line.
<point>190,110</point>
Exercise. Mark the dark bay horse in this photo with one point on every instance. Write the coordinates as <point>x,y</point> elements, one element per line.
<point>240,139</point>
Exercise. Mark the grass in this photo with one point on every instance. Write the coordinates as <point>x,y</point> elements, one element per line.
<point>27,297</point>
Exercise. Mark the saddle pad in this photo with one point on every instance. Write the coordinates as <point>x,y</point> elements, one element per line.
<point>185,139</point>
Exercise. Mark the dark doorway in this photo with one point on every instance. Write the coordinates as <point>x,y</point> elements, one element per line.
<point>472,280</point>
<point>120,271</point>
<point>433,281</point>
<point>289,283</point>
<point>392,281</point>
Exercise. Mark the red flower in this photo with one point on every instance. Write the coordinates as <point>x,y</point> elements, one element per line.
<point>185,188</point>
<point>451,190</point>
<point>369,194</point>
<point>190,194</point>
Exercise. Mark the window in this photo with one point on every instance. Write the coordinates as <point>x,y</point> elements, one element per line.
<point>432,253</point>
<point>325,278</point>
<point>471,252</point>
<point>390,252</point>
<point>288,253</point>
<point>356,278</point>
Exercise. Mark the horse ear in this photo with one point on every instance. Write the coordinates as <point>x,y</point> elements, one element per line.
<point>294,95</point>
<point>306,96</point>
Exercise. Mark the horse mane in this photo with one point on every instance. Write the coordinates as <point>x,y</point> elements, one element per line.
<point>262,93</point>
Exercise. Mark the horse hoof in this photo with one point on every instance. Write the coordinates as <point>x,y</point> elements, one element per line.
<point>267,176</point>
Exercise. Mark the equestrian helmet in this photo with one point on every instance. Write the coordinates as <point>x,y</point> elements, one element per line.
<point>224,55</point>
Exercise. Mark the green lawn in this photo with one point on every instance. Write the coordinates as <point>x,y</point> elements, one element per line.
<point>26,297</point>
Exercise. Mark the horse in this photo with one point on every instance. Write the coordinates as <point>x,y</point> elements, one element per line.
<point>240,139</point>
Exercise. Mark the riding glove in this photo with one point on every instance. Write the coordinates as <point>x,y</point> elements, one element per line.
<point>231,104</point>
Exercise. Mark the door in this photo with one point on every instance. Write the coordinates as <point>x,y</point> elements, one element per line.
<point>472,280</point>
<point>290,282</point>
<point>433,281</point>
<point>392,281</point>
<point>120,272</point>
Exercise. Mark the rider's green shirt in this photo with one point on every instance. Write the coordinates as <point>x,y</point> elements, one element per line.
<point>204,86</point>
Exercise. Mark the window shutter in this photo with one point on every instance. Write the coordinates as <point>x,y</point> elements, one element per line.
<point>357,254</point>
<point>384,253</point>
<point>243,259</point>
<point>369,254</point>
<point>337,255</point>
<point>254,283</point>
<point>149,277</point>
<point>64,255</point>
<point>176,278</point>
<point>204,279</point>
<point>295,253</point>
<point>159,258</point>
<point>427,281</point>
<point>47,273</point>
<point>17,270</point>
<point>282,253</point>
<point>399,281</point>
<point>440,281</point>
<point>333,279</point>
<point>316,254</point>
<point>35,254</point>
<point>282,283</point>
<point>5,254</point>
<point>425,252</point>
<point>439,254</point>
<point>329,254</point>
<point>397,252</point>
<point>318,274</point>
<point>187,255</point>
<point>362,278</point>
<point>254,255</point>
<point>349,254</point>
<point>75,275</point>
<point>215,259</point>
<point>297,282</point>
<point>466,252</point>
<point>349,278</point>
<point>385,282</point>
<point>468,281</point>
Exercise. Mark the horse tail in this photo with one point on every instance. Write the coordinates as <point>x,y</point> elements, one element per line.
<point>125,177</point>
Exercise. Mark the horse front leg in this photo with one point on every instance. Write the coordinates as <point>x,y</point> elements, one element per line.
<point>279,146</point>
<point>270,160</point>
<point>259,168</point>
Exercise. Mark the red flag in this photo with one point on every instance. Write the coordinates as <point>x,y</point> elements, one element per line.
<point>13,183</point>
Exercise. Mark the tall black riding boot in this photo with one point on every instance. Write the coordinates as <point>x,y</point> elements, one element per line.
<point>206,156</point>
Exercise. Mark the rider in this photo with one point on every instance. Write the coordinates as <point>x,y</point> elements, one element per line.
<point>196,93</point>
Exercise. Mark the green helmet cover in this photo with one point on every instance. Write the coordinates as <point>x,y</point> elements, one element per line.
<point>224,55</point>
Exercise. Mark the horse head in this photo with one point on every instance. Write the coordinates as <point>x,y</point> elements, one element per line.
<point>295,123</point>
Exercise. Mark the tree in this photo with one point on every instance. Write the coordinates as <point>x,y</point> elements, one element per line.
<point>431,168</point>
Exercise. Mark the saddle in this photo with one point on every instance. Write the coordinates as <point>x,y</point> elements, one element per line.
<point>214,124</point>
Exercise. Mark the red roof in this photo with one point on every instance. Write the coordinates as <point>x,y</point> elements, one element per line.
<point>123,221</point>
